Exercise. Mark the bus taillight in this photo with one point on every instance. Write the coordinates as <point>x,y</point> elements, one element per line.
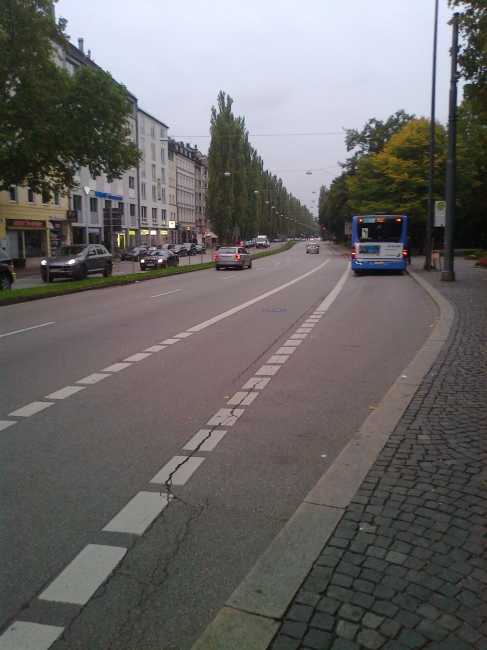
<point>404,252</point>
<point>352,253</point>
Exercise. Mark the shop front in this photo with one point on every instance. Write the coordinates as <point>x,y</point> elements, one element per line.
<point>132,241</point>
<point>26,239</point>
<point>144,237</point>
<point>58,234</point>
<point>94,236</point>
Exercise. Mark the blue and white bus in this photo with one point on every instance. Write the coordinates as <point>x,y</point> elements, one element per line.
<point>379,242</point>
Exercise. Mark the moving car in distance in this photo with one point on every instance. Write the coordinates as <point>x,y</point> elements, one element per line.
<point>77,261</point>
<point>158,260</point>
<point>379,242</point>
<point>312,247</point>
<point>7,271</point>
<point>262,242</point>
<point>200,249</point>
<point>232,256</point>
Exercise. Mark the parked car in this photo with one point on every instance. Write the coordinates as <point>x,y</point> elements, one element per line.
<point>180,250</point>
<point>190,248</point>
<point>232,256</point>
<point>7,271</point>
<point>158,260</point>
<point>134,253</point>
<point>77,261</point>
<point>250,243</point>
<point>200,248</point>
<point>165,247</point>
<point>312,247</point>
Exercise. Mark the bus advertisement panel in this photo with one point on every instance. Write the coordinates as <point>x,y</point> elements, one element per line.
<point>379,243</point>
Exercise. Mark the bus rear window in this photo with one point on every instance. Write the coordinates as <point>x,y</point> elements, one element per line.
<point>386,230</point>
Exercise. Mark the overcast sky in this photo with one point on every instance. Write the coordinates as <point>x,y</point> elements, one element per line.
<point>291,67</point>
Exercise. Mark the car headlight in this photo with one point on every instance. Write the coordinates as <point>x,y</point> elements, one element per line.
<point>159,260</point>
<point>44,263</point>
<point>71,262</point>
<point>142,261</point>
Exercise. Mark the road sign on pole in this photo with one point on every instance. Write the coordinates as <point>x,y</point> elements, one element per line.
<point>440,214</point>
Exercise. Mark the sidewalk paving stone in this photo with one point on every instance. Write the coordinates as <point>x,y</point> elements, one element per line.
<point>406,566</point>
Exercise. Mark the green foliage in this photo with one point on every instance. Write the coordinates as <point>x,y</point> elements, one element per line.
<point>373,136</point>
<point>334,208</point>
<point>51,121</point>
<point>394,181</point>
<point>473,54</point>
<point>247,196</point>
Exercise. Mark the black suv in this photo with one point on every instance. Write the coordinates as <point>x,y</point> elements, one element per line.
<point>7,273</point>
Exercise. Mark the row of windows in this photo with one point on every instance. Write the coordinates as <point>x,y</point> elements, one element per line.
<point>152,151</point>
<point>151,127</point>
<point>143,216</point>
<point>31,196</point>
<point>185,181</point>
<point>158,194</point>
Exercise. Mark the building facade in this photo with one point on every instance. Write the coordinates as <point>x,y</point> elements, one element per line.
<point>184,170</point>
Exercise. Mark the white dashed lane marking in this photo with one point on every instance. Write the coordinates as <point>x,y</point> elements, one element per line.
<point>292,344</point>
<point>242,399</point>
<point>170,341</point>
<point>139,356</point>
<point>298,336</point>
<point>139,513</point>
<point>267,370</point>
<point>65,392</point>
<point>227,277</point>
<point>4,424</point>
<point>285,350</point>
<point>210,438</point>
<point>258,383</point>
<point>303,330</point>
<point>116,367</point>
<point>29,636</point>
<point>31,409</point>
<point>178,469</point>
<point>278,358</point>
<point>26,329</point>
<point>225,417</point>
<point>80,579</point>
<point>155,348</point>
<point>158,295</point>
<point>183,335</point>
<point>93,379</point>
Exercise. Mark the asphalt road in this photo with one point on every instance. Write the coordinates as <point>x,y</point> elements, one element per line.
<point>69,469</point>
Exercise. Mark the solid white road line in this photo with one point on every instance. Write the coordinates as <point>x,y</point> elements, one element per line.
<point>210,438</point>
<point>29,636</point>
<point>4,424</point>
<point>139,356</point>
<point>26,329</point>
<point>139,513</point>
<point>166,293</point>
<point>278,358</point>
<point>257,383</point>
<point>230,312</point>
<point>267,370</point>
<point>65,392</point>
<point>155,348</point>
<point>178,469</point>
<point>80,579</point>
<point>170,341</point>
<point>225,417</point>
<point>92,379</point>
<point>327,302</point>
<point>116,367</point>
<point>31,409</point>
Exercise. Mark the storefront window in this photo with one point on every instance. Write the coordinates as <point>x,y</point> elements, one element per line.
<point>35,243</point>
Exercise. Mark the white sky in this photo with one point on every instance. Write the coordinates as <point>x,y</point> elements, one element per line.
<point>291,66</point>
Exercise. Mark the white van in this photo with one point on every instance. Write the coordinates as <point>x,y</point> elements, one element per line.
<point>262,242</point>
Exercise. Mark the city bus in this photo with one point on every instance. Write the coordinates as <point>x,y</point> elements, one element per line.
<point>379,242</point>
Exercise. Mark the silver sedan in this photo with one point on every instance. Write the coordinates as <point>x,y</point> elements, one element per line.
<point>232,256</point>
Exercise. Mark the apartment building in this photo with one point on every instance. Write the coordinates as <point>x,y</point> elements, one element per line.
<point>153,143</point>
<point>203,226</point>
<point>184,169</point>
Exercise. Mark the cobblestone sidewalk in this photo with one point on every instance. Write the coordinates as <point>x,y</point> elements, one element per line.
<point>407,565</point>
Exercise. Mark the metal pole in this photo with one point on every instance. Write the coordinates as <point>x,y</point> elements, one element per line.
<point>431,175</point>
<point>448,273</point>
